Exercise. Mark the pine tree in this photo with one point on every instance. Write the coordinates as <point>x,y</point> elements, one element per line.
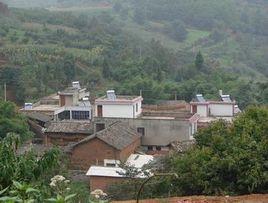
<point>199,60</point>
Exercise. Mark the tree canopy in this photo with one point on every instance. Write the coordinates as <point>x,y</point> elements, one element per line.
<point>12,122</point>
<point>229,158</point>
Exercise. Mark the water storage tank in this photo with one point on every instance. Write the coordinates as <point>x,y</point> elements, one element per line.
<point>28,106</point>
<point>111,95</point>
<point>76,84</point>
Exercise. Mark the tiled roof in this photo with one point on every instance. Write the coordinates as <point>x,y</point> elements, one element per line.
<point>38,116</point>
<point>118,135</point>
<point>81,127</point>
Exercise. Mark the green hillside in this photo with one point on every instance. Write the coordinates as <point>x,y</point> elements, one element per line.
<point>116,44</point>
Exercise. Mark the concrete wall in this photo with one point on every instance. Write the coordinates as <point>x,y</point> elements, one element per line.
<point>221,109</point>
<point>158,132</point>
<point>202,110</point>
<point>68,100</point>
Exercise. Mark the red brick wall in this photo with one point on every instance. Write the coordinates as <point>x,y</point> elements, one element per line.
<point>99,182</point>
<point>92,152</point>
<point>126,152</point>
<point>62,139</point>
<point>95,151</point>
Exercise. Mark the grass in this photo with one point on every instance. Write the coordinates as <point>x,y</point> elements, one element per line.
<point>194,35</point>
<point>147,32</point>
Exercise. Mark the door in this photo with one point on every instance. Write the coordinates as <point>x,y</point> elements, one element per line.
<point>99,111</point>
<point>194,109</point>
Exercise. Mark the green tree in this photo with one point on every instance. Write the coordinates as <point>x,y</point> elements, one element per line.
<point>177,30</point>
<point>139,16</point>
<point>106,72</point>
<point>229,158</point>
<point>12,122</point>
<point>199,61</point>
<point>26,167</point>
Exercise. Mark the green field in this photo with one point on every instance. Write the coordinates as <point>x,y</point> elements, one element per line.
<point>147,34</point>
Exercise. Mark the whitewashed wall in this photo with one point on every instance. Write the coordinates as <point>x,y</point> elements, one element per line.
<point>202,110</point>
<point>117,111</point>
<point>137,113</point>
<point>221,109</point>
<point>120,110</point>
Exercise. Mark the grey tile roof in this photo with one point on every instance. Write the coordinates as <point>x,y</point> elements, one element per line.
<point>80,127</point>
<point>38,116</point>
<point>118,135</point>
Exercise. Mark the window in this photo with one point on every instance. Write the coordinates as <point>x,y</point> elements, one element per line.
<point>65,115</point>
<point>158,148</point>
<point>80,115</point>
<point>111,162</point>
<point>137,107</point>
<point>150,148</point>
<point>141,131</point>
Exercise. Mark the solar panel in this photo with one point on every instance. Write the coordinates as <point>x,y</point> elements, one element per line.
<point>200,98</point>
<point>226,98</point>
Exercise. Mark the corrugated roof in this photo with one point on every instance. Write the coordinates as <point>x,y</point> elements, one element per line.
<point>118,135</point>
<point>106,171</point>
<point>81,127</point>
<point>139,160</point>
<point>134,160</point>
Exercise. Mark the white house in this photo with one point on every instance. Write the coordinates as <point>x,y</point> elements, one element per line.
<point>225,108</point>
<point>118,106</point>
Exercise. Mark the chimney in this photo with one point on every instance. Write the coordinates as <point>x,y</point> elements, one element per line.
<point>220,92</point>
<point>111,95</point>
<point>76,84</point>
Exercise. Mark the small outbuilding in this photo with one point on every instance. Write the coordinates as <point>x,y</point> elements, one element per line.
<point>100,177</point>
<point>65,132</point>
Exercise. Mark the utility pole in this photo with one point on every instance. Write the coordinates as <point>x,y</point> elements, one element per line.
<point>140,52</point>
<point>141,93</point>
<point>175,96</point>
<point>5,92</point>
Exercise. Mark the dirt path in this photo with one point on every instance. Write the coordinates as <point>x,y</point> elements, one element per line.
<point>256,198</point>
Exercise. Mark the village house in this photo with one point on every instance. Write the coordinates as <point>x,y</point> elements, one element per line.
<point>104,148</point>
<point>157,128</point>
<point>69,104</point>
<point>37,122</point>
<point>118,106</point>
<point>65,132</point>
<point>101,177</point>
<point>225,108</point>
